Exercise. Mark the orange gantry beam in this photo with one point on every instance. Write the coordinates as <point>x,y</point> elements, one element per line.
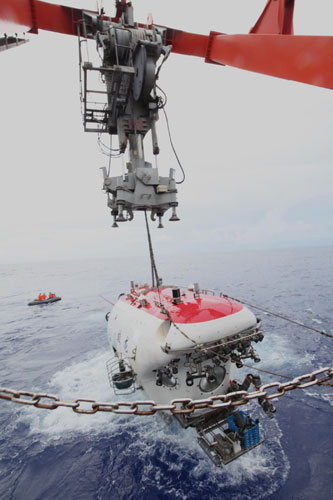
<point>306,59</point>
<point>276,18</point>
<point>36,14</point>
<point>270,48</point>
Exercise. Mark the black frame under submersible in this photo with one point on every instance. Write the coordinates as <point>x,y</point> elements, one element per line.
<point>225,434</point>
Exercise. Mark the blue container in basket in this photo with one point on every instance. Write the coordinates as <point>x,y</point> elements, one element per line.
<point>251,436</point>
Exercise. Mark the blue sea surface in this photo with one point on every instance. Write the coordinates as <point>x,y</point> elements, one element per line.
<point>62,349</point>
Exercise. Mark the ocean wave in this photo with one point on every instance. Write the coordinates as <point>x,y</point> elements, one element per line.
<point>156,442</point>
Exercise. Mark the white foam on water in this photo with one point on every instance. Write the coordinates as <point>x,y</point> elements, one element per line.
<point>328,397</point>
<point>323,396</point>
<point>318,321</point>
<point>85,379</point>
<point>177,448</point>
<point>278,354</point>
<point>267,463</point>
<point>152,436</point>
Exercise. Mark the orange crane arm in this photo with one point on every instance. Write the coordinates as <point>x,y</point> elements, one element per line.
<point>276,18</point>
<point>41,15</point>
<point>306,59</point>
<point>270,48</point>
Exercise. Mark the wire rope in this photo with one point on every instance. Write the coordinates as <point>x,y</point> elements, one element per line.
<point>277,315</point>
<point>161,105</point>
<point>154,272</point>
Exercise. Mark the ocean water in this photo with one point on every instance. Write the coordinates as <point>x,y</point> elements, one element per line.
<point>62,349</point>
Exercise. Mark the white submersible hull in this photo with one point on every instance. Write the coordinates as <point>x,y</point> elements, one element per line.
<point>175,339</point>
<point>183,344</point>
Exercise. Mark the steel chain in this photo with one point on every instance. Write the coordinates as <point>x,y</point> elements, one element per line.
<point>176,406</point>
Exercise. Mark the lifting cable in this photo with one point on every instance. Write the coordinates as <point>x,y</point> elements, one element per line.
<point>322,332</point>
<point>173,147</point>
<point>154,273</point>
<point>161,105</point>
<point>155,276</point>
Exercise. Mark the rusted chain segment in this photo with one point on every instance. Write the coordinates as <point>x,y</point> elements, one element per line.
<point>176,406</point>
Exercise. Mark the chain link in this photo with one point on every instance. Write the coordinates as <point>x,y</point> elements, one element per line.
<point>176,406</point>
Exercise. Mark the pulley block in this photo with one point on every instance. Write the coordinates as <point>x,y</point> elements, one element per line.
<point>144,77</point>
